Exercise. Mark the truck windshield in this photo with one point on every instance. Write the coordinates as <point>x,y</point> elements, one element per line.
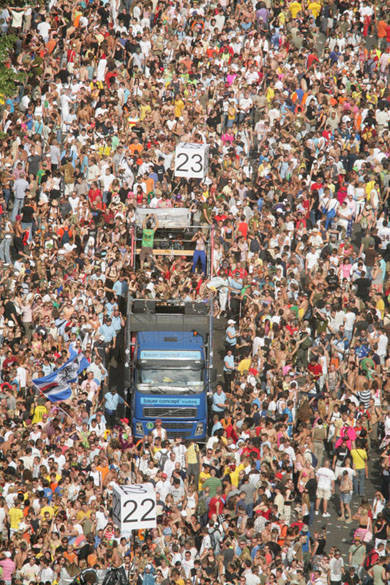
<point>163,378</point>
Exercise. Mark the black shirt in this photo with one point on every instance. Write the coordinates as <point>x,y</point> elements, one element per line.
<point>27,214</point>
<point>363,287</point>
<point>342,452</point>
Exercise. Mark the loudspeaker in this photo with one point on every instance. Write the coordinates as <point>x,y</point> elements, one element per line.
<point>142,306</point>
<point>196,308</point>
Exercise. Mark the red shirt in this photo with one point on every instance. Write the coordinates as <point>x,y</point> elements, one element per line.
<point>315,369</point>
<point>213,505</point>
<point>243,228</point>
<point>93,193</point>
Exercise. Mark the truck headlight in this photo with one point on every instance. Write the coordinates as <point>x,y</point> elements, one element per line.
<point>199,429</point>
<point>139,429</point>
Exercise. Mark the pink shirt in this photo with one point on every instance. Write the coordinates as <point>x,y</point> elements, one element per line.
<point>8,569</point>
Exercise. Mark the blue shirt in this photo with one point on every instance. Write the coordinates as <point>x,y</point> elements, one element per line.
<point>111,401</point>
<point>108,332</point>
<point>216,427</point>
<point>228,360</point>
<point>218,399</point>
<point>120,288</point>
<point>116,322</point>
<point>231,340</point>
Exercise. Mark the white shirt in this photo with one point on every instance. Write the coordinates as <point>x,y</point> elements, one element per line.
<point>382,344</point>
<point>325,476</point>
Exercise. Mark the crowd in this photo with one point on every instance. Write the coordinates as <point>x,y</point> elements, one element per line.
<point>292,98</point>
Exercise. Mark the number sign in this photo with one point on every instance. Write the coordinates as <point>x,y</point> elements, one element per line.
<point>191,160</point>
<point>134,507</point>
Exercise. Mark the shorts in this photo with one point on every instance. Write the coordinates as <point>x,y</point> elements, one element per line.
<point>145,252</point>
<point>322,493</point>
<point>346,497</point>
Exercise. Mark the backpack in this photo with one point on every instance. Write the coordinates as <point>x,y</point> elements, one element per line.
<point>202,507</point>
<point>370,559</point>
<point>163,459</point>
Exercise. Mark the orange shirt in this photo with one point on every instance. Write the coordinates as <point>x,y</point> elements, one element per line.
<point>381,29</point>
<point>134,147</point>
<point>149,183</point>
<point>103,471</point>
<point>70,556</point>
<point>50,45</point>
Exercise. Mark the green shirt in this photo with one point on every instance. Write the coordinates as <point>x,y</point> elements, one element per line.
<point>213,483</point>
<point>147,238</point>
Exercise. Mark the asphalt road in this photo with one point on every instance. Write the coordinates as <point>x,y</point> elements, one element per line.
<point>338,532</point>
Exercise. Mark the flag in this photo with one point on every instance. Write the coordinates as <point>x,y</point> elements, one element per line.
<point>55,386</point>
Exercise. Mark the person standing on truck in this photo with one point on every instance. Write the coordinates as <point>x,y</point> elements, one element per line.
<point>199,252</point>
<point>149,226</point>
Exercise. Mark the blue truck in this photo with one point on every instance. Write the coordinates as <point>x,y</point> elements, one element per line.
<point>169,365</point>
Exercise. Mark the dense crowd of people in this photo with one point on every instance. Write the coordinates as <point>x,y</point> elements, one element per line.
<point>292,98</point>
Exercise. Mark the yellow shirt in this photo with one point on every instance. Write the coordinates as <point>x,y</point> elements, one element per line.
<point>15,517</point>
<point>192,454</point>
<point>295,7</point>
<point>144,109</point>
<point>380,305</point>
<point>202,478</point>
<point>234,476</point>
<point>39,411</point>
<point>81,515</point>
<point>47,509</point>
<point>244,365</point>
<point>368,188</point>
<point>179,107</point>
<point>315,8</point>
<point>359,457</point>
<point>270,94</point>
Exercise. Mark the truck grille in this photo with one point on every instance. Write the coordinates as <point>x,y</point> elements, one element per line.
<point>175,426</point>
<point>178,429</point>
<point>158,412</point>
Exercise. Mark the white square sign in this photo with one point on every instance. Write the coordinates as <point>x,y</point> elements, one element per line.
<point>191,160</point>
<point>134,507</point>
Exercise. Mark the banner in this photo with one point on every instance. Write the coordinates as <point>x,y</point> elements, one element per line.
<point>55,386</point>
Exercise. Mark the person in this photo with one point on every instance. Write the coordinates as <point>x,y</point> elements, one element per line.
<point>112,400</point>
<point>325,487</point>
<point>359,457</point>
<point>336,568</point>
<point>149,227</point>
<point>346,490</point>
<point>219,400</point>
<point>199,252</point>
<point>228,372</point>
<point>231,336</point>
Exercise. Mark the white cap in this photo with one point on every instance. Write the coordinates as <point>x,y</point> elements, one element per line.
<point>231,322</point>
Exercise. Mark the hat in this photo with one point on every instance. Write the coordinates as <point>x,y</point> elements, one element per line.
<point>125,421</point>
<point>164,475</point>
<point>7,554</point>
<point>231,322</point>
